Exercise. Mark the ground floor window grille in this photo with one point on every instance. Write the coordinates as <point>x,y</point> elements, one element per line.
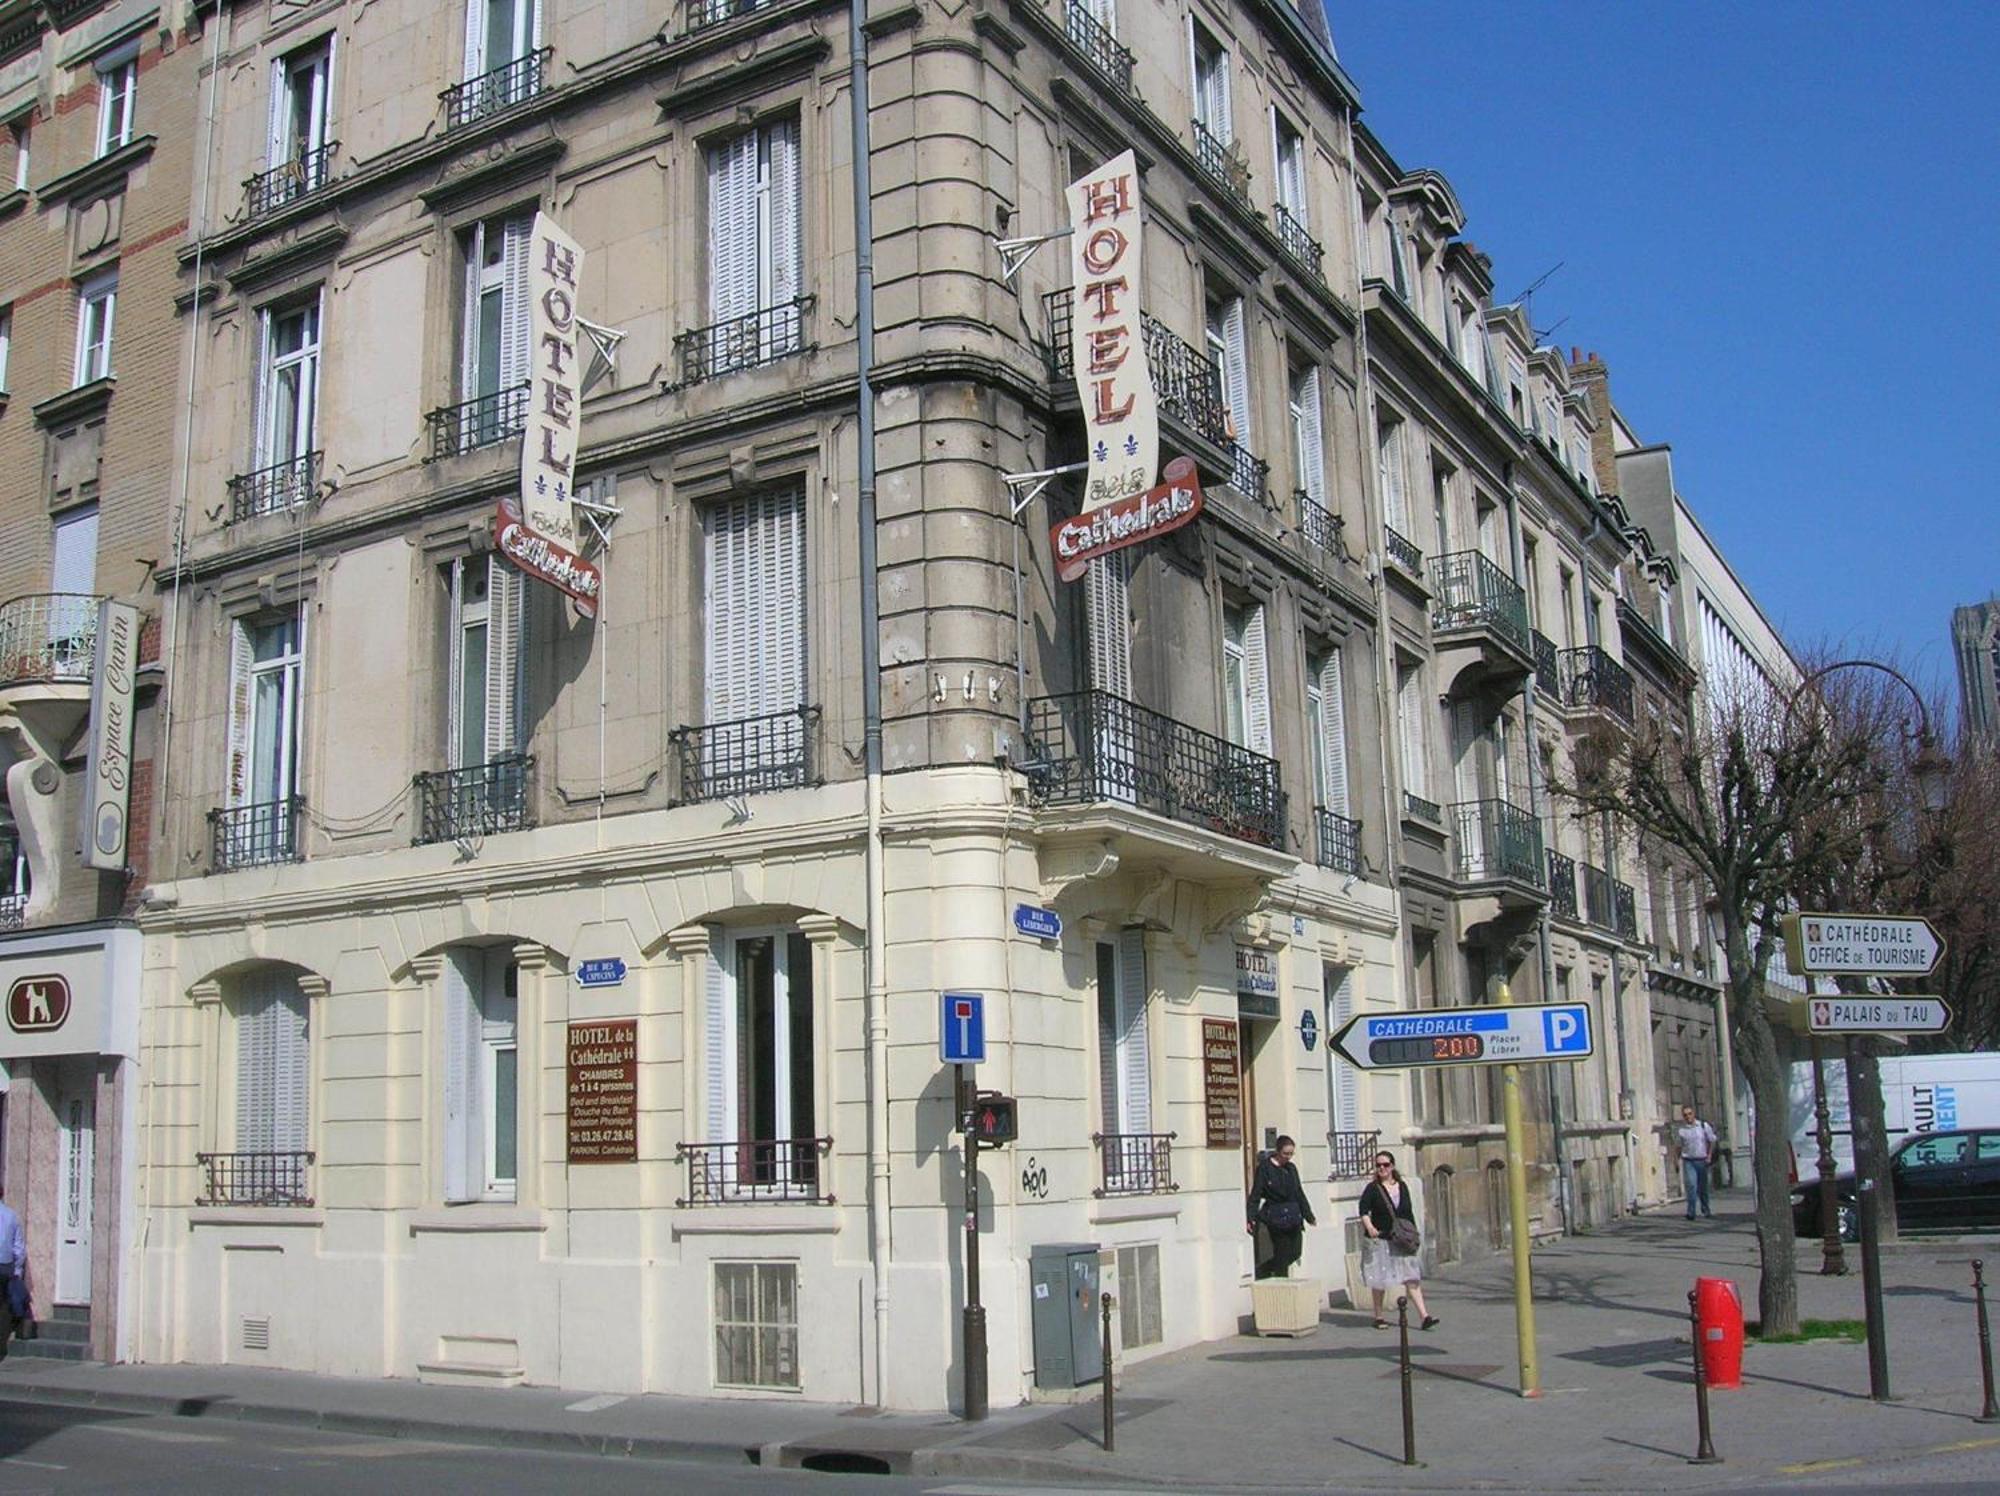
<point>1139,1296</point>
<point>757,1324</point>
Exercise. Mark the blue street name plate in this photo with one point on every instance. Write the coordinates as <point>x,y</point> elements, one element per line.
<point>1042,924</point>
<point>606,971</point>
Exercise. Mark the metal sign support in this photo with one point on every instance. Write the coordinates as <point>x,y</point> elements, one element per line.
<point>1024,488</point>
<point>604,343</point>
<point>1014,253</point>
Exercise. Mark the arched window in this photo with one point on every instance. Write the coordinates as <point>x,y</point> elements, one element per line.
<point>481,1073</point>
<point>1442,1209</point>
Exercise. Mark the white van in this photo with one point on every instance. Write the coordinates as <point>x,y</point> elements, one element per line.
<point>1920,1093</point>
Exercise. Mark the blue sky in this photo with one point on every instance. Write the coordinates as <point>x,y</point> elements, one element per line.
<point>1778,225</point>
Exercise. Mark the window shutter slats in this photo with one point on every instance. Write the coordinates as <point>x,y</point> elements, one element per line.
<point>462,1132</point>
<point>1256,685</point>
<point>277,141</point>
<point>1236,368</point>
<point>1333,732</point>
<point>1111,625</point>
<point>1395,504</point>
<point>237,790</point>
<point>1312,439</point>
<point>732,228</point>
<point>1134,1056</point>
<point>785,248</point>
<point>468,343</point>
<point>514,320</point>
<point>505,602</point>
<point>475,38</point>
<point>1346,1087</point>
<point>716,1044</point>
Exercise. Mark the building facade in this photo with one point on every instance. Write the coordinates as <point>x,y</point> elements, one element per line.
<point>1975,649</point>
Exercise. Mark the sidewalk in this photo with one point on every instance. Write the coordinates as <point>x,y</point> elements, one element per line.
<point>1617,1413</point>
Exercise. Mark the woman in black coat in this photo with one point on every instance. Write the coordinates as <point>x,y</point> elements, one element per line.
<point>1383,1203</point>
<point>1278,1203</point>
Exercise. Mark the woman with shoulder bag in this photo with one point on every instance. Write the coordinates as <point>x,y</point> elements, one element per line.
<point>1278,1203</point>
<point>1389,1252</point>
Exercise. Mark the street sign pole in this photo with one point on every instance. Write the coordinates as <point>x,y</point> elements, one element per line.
<point>975,1312</point>
<point>1869,1201</point>
<point>1517,1213</point>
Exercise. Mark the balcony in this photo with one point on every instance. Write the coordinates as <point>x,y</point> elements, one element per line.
<point>48,639</point>
<point>1548,666</point>
<point>1353,1154</point>
<point>1598,683</point>
<point>255,835</point>
<point>1479,616</point>
<point>1186,382</point>
<point>1562,885</point>
<point>13,911</point>
<point>1609,903</point>
<point>1625,911</point>
<point>274,489</point>
<point>1403,551</point>
<point>1223,162</point>
<point>255,1178</point>
<point>483,421</point>
<point>496,92</point>
<point>1321,526</point>
<point>746,342</point>
<point>289,181</point>
<point>747,756</point>
<point>767,1171</point>
<point>1497,840</point>
<point>1299,246</point>
<point>1339,841</point>
<point>1418,808</point>
<point>1135,1163</point>
<point>477,801</point>
<point>702,14</point>
<point>1093,39</point>
<point>1091,747</point>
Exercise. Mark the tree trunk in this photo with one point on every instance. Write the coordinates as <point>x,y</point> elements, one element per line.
<point>1871,1133</point>
<point>1757,1053</point>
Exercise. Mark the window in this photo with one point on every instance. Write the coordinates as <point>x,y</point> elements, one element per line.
<point>755,245</point>
<point>266,669</point>
<point>1933,1152</point>
<point>301,105</point>
<point>756,646</point>
<point>1139,1296</point>
<point>6,344</point>
<point>1289,152</point>
<point>494,349</point>
<point>272,1064</point>
<point>22,129</point>
<point>1326,720</point>
<point>1389,472</point>
<point>760,1047</point>
<point>1308,444</point>
<point>1410,729</point>
<point>1531,579</point>
<point>1124,1070</point>
<point>1566,603</point>
<point>757,1324</point>
<point>488,602</point>
<point>1342,1079</point>
<point>1472,342</point>
<point>117,84</point>
<point>1441,475</point>
<point>288,392</point>
<point>1210,65</point>
<point>1226,349</point>
<point>481,1074</point>
<point>1551,425</point>
<point>96,309</point>
<point>499,33</point>
<point>1399,269</point>
<point>1246,679</point>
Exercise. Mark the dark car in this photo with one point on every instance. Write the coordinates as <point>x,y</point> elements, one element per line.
<point>1944,1181</point>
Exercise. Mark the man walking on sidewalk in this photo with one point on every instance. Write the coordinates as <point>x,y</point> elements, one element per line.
<point>13,1272</point>
<point>1695,1141</point>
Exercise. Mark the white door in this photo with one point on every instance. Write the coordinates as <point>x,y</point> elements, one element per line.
<point>76,1137</point>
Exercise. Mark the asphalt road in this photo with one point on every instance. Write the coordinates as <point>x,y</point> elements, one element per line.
<point>58,1451</point>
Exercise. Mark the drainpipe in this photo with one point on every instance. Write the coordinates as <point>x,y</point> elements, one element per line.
<point>877,1002</point>
<point>1565,1182</point>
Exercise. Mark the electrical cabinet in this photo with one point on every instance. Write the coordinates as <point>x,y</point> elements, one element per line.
<point>1063,1279</point>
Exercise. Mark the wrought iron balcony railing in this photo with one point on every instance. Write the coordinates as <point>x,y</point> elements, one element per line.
<point>48,638</point>
<point>1422,809</point>
<point>1403,551</point>
<point>1473,593</point>
<point>476,801</point>
<point>1099,47</point>
<point>1353,1154</point>
<point>1339,841</point>
<point>479,422</point>
<point>787,1170</point>
<point>746,342</point>
<point>1548,665</point>
<point>1498,840</point>
<point>1091,746</point>
<point>747,756</point>
<point>289,181</point>
<point>1562,885</point>
<point>255,1178</point>
<point>274,489</point>
<point>1624,910</point>
<point>1220,159</point>
<point>702,14</point>
<point>255,835</point>
<point>1135,1163</point>
<point>13,910</point>
<point>496,92</point>
<point>1598,682</point>
<point>1248,472</point>
<point>1303,249</point>
<point>1319,524</point>
<point>1597,897</point>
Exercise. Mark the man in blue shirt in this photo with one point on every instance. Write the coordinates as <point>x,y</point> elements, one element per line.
<point>13,1260</point>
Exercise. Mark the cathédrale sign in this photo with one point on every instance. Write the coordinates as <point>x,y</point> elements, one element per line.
<point>1098,532</point>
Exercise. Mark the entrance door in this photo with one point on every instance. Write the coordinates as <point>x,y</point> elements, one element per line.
<point>76,1138</point>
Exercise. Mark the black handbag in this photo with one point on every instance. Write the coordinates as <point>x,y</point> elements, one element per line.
<point>1284,1215</point>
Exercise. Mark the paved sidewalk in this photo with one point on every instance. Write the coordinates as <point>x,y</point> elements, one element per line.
<point>1617,1413</point>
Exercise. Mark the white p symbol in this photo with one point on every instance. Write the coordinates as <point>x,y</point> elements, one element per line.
<point>1562,1030</point>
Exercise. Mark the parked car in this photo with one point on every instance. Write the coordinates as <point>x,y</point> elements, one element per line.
<point>1944,1181</point>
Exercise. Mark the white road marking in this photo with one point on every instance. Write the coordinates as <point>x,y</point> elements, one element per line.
<point>596,1404</point>
<point>163,1435</point>
<point>15,1459</point>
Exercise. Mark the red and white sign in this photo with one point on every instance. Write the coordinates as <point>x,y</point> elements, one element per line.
<point>1107,342</point>
<point>544,560</point>
<point>37,1004</point>
<point>1098,532</point>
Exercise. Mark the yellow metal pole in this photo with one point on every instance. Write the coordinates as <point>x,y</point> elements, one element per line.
<point>1517,1215</point>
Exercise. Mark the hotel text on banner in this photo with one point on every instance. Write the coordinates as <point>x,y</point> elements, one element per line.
<point>1107,342</point>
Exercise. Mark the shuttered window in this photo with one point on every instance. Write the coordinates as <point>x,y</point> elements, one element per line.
<point>1246,676</point>
<point>288,382</point>
<point>301,101</point>
<point>96,312</point>
<point>1343,1080</point>
<point>498,32</point>
<point>1411,727</point>
<point>1211,83</point>
<point>1227,347</point>
<point>1308,440</point>
<point>267,664</point>
<point>494,355</point>
<point>489,601</point>
<point>1389,469</point>
<point>73,552</point>
<point>482,1074</point>
<point>1289,151</point>
<point>272,1064</point>
<point>1327,708</point>
<point>756,597</point>
<point>754,242</point>
<point>1124,1054</point>
<point>1109,608</point>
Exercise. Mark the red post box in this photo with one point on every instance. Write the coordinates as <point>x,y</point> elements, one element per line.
<point>1719,1312</point>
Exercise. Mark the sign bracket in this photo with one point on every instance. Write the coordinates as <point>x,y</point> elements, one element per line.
<point>1024,488</point>
<point>604,343</point>
<point>1014,253</point>
<point>599,515</point>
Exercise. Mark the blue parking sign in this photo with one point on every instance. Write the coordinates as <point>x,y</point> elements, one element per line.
<point>962,1028</point>
<point>1566,1029</point>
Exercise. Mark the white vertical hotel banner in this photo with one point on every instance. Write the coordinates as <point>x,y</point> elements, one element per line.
<point>108,797</point>
<point>1107,342</point>
<point>540,537</point>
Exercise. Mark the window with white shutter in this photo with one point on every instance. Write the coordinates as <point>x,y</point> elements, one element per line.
<point>1227,346</point>
<point>1326,706</point>
<point>755,270</point>
<point>1246,694</point>
<point>1289,151</point>
<point>499,33</point>
<point>96,311</point>
<point>482,1073</point>
<point>494,352</point>
<point>1125,1086</point>
<point>759,1047</point>
<point>1389,470</point>
<point>273,1070</point>
<point>265,711</point>
<point>1343,1080</point>
<point>1308,442</point>
<point>1210,65</point>
<point>756,659</point>
<point>488,600</point>
<point>301,110</point>
<point>1413,731</point>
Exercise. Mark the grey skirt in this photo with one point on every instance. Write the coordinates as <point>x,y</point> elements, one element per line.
<point>1382,1268</point>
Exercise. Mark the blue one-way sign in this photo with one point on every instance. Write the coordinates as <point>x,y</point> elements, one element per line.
<point>962,1028</point>
<point>1467,1036</point>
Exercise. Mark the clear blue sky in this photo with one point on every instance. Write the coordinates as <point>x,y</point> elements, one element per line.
<point>1778,225</point>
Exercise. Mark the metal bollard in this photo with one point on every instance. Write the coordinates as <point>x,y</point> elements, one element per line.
<point>1409,1402</point>
<point>1988,1412</point>
<point>1110,1430</point>
<point>1705,1454</point>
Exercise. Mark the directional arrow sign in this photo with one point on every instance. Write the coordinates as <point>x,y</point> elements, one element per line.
<point>1889,945</point>
<point>1466,1036</point>
<point>1870,1013</point>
